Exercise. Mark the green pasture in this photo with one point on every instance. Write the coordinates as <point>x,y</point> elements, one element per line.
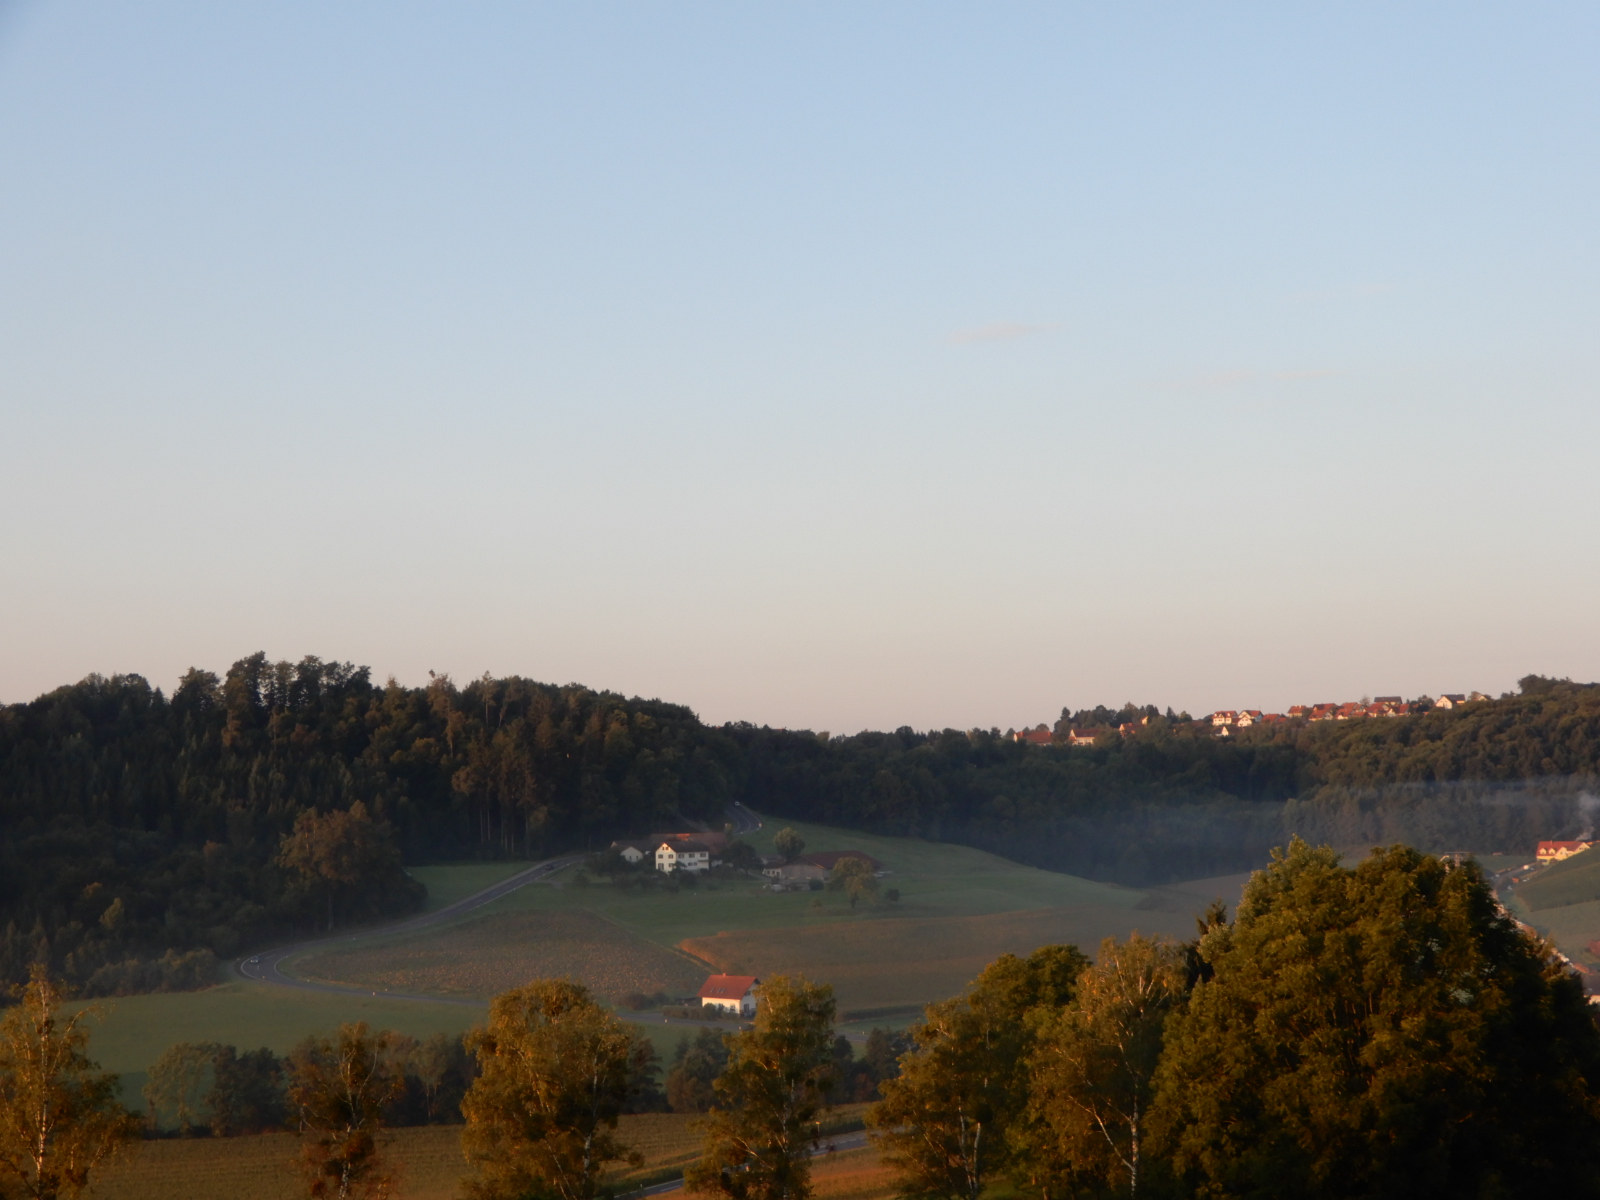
<point>959,909</point>
<point>1574,881</point>
<point>449,882</point>
<point>134,1030</point>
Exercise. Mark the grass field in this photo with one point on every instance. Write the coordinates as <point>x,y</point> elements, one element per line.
<point>136,1029</point>
<point>1574,881</point>
<point>959,909</point>
<point>428,1162</point>
<point>479,958</point>
<point>449,882</point>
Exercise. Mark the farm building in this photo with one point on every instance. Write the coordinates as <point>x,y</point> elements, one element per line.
<point>673,851</point>
<point>814,866</point>
<point>731,993</point>
<point>1550,852</point>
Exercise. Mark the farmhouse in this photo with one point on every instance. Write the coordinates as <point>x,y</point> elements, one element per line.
<point>673,851</point>
<point>1034,737</point>
<point>685,854</point>
<point>1550,852</point>
<point>731,993</point>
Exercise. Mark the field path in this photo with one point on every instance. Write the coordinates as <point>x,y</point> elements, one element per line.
<point>267,967</point>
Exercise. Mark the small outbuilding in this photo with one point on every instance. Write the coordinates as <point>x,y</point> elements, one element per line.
<point>731,993</point>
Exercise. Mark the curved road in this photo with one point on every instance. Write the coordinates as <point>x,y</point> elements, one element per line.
<point>267,967</point>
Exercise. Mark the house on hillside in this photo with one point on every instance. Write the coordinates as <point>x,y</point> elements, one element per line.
<point>1550,852</point>
<point>1083,737</point>
<point>1224,716</point>
<point>814,866</point>
<point>1249,717</point>
<point>685,854</point>
<point>1038,736</point>
<point>1450,700</point>
<point>673,851</point>
<point>731,993</point>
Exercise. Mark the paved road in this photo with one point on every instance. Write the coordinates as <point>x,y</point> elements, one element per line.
<point>267,967</point>
<point>839,1142</point>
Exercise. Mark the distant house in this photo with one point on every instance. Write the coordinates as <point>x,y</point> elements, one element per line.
<point>1083,737</point>
<point>1450,700</point>
<point>664,849</point>
<point>1224,716</point>
<point>1298,712</point>
<point>1039,736</point>
<point>1323,712</point>
<point>731,993</point>
<point>683,854</point>
<point>814,866</point>
<point>1550,852</point>
<point>1248,717</point>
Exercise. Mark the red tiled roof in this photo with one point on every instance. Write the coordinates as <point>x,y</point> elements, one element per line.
<point>727,987</point>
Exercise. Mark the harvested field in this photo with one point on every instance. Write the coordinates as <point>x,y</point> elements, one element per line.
<point>890,963</point>
<point>853,1175</point>
<point>491,954</point>
<point>428,1161</point>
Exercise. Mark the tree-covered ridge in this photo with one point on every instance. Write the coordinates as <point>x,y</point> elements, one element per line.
<point>1174,800</point>
<point>135,823</point>
<point>141,832</point>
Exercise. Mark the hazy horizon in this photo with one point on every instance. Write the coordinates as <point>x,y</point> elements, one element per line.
<point>836,368</point>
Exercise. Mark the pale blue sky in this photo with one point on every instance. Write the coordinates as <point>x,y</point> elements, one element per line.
<point>830,365</point>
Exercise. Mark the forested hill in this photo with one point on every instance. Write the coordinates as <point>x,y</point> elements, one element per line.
<point>1175,801</point>
<point>134,823</point>
<point>139,829</point>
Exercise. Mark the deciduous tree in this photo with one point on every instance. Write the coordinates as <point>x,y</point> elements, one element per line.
<point>853,877</point>
<point>1092,1067</point>
<point>945,1123</point>
<point>179,1081</point>
<point>778,1081</point>
<point>556,1073</point>
<point>1382,1031</point>
<point>789,844</point>
<point>338,1088</point>
<point>59,1114</point>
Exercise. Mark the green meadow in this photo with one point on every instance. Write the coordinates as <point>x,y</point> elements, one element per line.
<point>959,909</point>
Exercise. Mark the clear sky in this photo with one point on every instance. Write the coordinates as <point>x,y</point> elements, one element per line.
<point>829,365</point>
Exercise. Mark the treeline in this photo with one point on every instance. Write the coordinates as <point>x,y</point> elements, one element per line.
<point>133,824</point>
<point>1174,801</point>
<point>141,833</point>
<point>207,1089</point>
<point>1385,1030</point>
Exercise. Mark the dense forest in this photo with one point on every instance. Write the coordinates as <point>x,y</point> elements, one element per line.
<point>141,834</point>
<point>1175,801</point>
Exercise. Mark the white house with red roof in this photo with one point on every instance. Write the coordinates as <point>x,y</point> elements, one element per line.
<point>731,993</point>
